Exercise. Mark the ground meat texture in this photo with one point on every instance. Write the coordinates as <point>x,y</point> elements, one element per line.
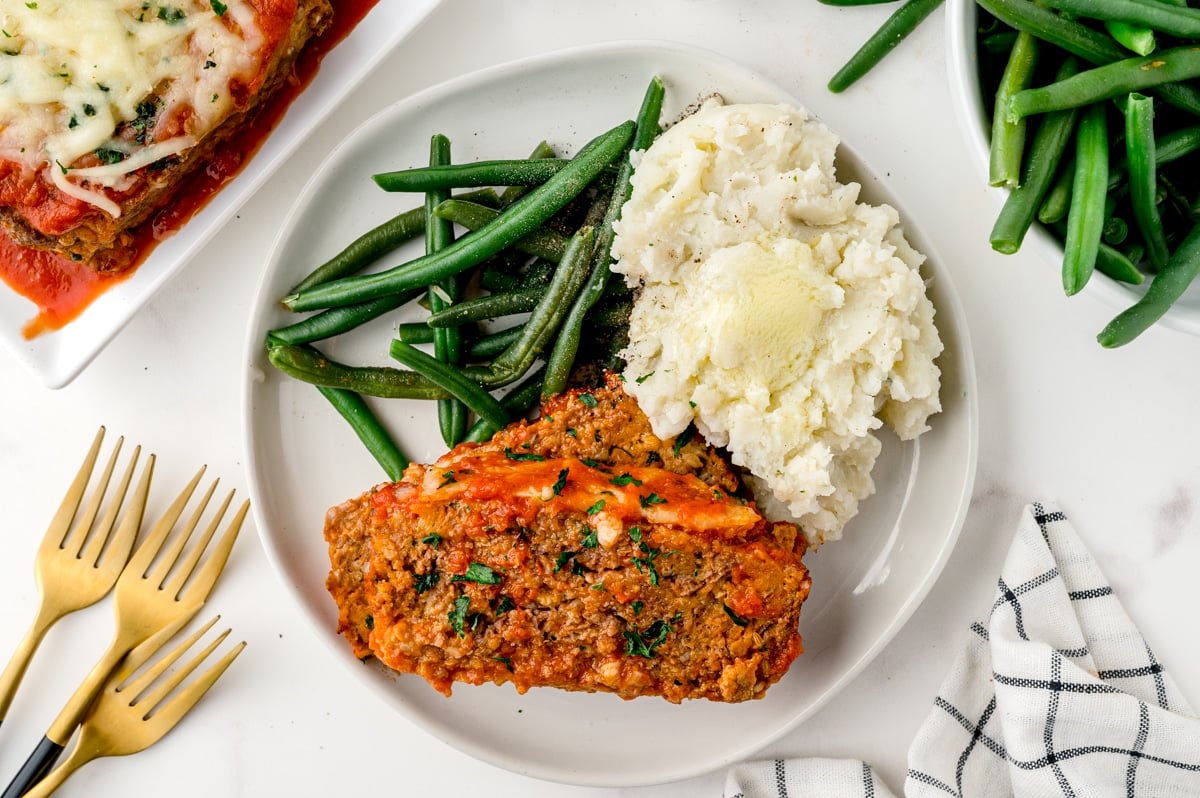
<point>550,558</point>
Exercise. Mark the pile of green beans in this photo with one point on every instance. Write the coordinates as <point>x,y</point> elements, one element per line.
<point>535,244</point>
<point>1111,162</point>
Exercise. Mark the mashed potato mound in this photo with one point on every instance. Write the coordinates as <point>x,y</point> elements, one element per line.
<point>784,318</point>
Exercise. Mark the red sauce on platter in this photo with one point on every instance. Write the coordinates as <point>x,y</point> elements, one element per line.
<point>62,288</point>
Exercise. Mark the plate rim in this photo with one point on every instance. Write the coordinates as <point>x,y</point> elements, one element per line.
<point>949,303</point>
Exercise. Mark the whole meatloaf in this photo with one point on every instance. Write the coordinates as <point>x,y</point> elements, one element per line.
<point>576,551</point>
<point>106,107</point>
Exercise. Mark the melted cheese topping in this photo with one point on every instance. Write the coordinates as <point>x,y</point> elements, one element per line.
<point>75,74</point>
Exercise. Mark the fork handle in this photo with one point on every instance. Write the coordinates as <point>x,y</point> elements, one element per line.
<point>34,769</point>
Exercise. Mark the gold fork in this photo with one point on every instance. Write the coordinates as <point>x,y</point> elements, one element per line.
<point>77,564</point>
<point>157,587</point>
<point>132,713</point>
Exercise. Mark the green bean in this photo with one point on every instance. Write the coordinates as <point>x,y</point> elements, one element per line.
<point>488,346</point>
<point>894,30</point>
<point>1157,16</point>
<point>515,172</point>
<point>1057,201</point>
<point>1049,142</point>
<point>416,332</point>
<point>1137,38</point>
<point>1008,135</point>
<point>336,321</point>
<point>490,306</point>
<point>998,43</point>
<point>566,346</point>
<point>452,380</point>
<point>1165,287</point>
<point>307,364</point>
<point>1113,263</point>
<point>513,193</point>
<point>516,403</point>
<point>1108,81</point>
<point>447,342</point>
<point>541,243</point>
<point>1143,176</point>
<point>1115,231</point>
<point>379,241</point>
<point>545,319</point>
<point>1176,144</point>
<point>524,216</point>
<point>366,425</point>
<point>1085,220</point>
<point>1080,40</point>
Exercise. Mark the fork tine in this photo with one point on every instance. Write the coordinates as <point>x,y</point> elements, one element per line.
<point>166,562</point>
<point>98,540</point>
<point>61,523</point>
<point>139,566</point>
<point>185,568</point>
<point>143,653</point>
<point>151,695</point>
<point>120,543</point>
<point>75,539</point>
<point>206,577</point>
<point>168,714</point>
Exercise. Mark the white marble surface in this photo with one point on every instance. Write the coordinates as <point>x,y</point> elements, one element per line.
<point>1108,435</point>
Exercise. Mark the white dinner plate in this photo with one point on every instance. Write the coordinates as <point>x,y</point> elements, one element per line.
<point>58,357</point>
<point>302,458</point>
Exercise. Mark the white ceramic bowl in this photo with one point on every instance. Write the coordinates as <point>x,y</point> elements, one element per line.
<point>962,63</point>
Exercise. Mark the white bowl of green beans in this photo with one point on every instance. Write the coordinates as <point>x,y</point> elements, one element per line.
<point>1095,153</point>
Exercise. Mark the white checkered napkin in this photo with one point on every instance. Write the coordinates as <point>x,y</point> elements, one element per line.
<point>1056,694</point>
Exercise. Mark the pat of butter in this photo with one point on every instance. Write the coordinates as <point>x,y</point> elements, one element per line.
<point>768,303</point>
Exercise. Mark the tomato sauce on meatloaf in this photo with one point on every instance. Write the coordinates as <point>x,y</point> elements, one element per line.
<point>576,551</point>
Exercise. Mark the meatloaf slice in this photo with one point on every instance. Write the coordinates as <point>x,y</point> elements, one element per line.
<point>573,552</point>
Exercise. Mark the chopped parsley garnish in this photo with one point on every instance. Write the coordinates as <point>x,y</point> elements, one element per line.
<point>447,479</point>
<point>571,431</point>
<point>32,6</point>
<point>478,572</point>
<point>109,156</point>
<point>432,539</point>
<point>74,123</point>
<point>423,582</point>
<point>458,615</point>
<point>505,604</point>
<point>590,539</point>
<point>643,643</point>
<point>645,564</point>
<point>598,586</point>
<point>209,64</point>
<point>590,463</point>
<point>563,558</point>
<point>588,399</point>
<point>683,439</point>
<point>218,7</point>
<point>507,662</point>
<point>653,498</point>
<point>171,16</point>
<point>595,508</point>
<point>561,482</point>
<point>90,110</point>
<point>643,378</point>
<point>733,616</point>
<point>637,606</point>
<point>531,456</point>
<point>369,622</point>
<point>622,480</point>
